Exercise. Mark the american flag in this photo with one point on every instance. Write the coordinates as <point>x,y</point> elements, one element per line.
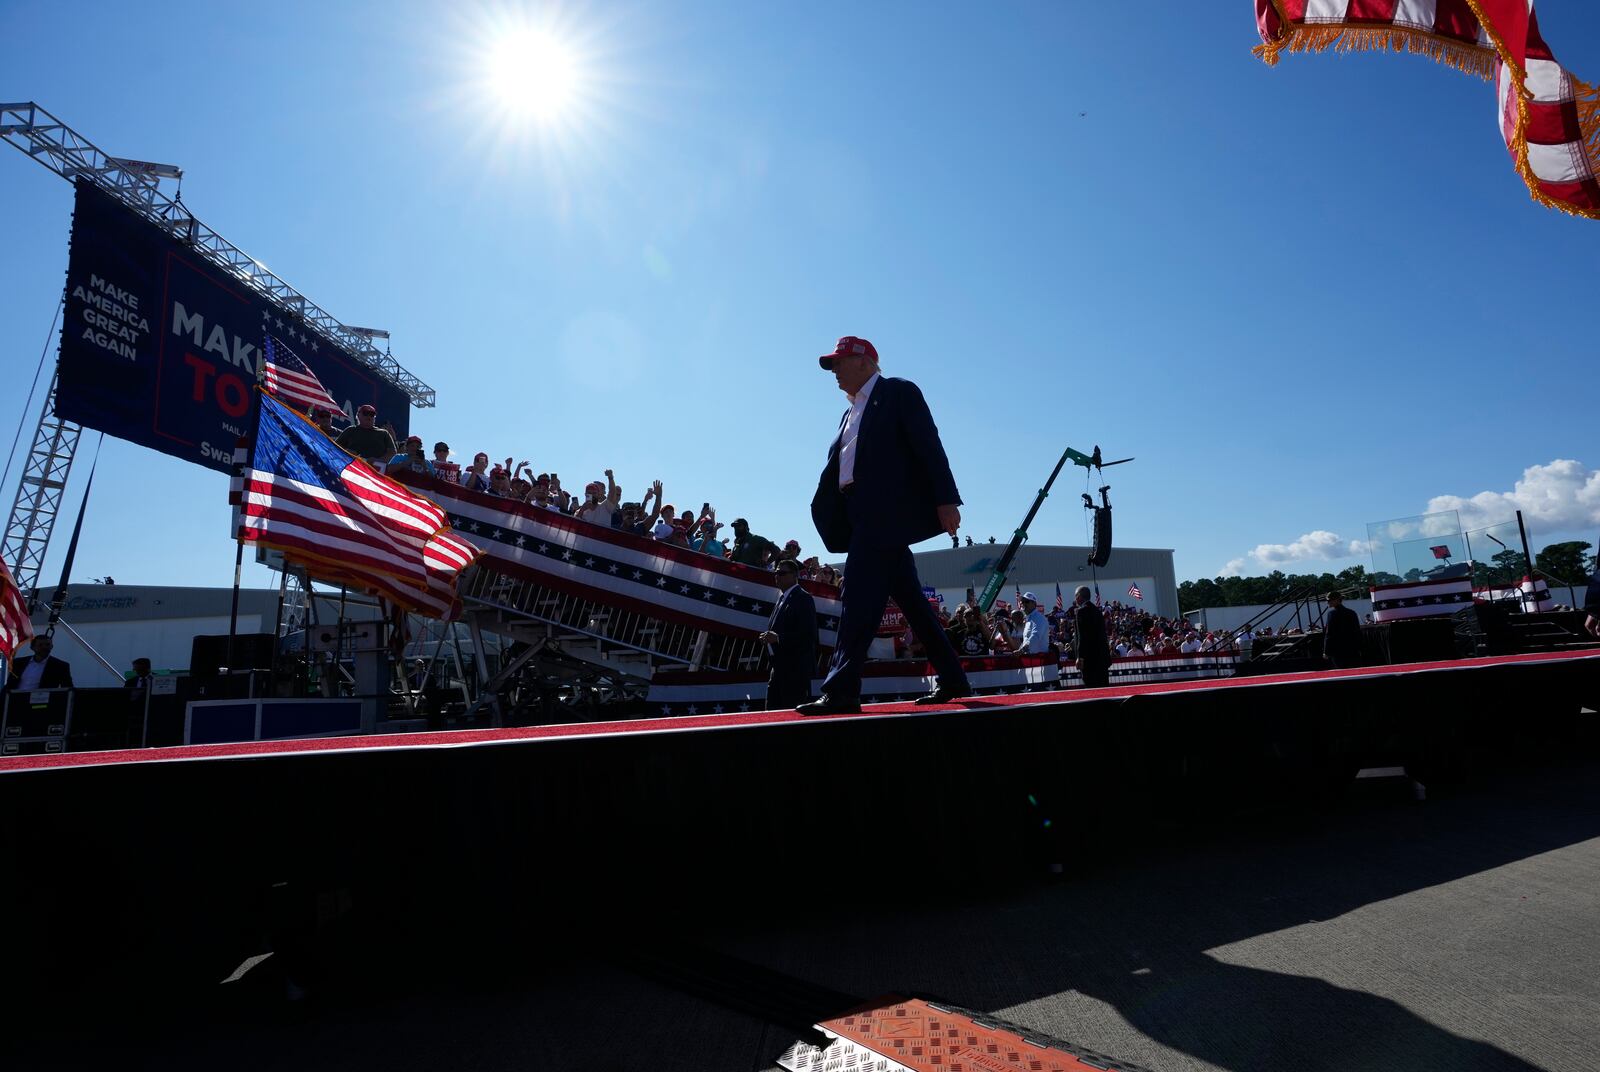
<point>1058,597</point>
<point>1546,115</point>
<point>343,521</point>
<point>1133,590</point>
<point>288,378</point>
<point>15,627</point>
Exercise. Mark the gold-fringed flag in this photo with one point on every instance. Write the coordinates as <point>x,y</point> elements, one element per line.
<point>1550,120</point>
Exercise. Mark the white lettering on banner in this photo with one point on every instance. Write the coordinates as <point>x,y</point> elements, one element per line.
<point>242,354</point>
<point>112,314</point>
<point>216,454</point>
<point>106,342</point>
<point>115,293</point>
<point>184,324</point>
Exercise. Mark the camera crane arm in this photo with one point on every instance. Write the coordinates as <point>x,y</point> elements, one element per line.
<point>997,579</point>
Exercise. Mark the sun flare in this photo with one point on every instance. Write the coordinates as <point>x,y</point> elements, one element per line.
<point>532,74</point>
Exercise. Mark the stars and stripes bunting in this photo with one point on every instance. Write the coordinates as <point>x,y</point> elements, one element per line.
<point>16,629</point>
<point>287,377</point>
<point>616,568</point>
<point>1550,120</point>
<point>342,520</point>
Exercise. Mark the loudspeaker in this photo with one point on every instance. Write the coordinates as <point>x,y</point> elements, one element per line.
<point>1102,537</point>
<point>251,651</point>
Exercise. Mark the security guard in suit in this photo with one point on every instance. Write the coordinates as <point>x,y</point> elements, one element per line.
<point>791,637</point>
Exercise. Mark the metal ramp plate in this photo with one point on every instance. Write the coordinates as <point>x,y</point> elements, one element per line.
<point>911,1035</point>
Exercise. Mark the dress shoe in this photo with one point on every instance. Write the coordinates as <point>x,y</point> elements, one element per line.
<point>943,694</point>
<point>827,705</point>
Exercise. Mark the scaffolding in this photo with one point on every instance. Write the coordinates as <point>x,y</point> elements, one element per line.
<point>45,139</point>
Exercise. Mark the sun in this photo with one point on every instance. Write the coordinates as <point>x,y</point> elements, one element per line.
<point>532,74</point>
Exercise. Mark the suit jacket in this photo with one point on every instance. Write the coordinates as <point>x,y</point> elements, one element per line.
<point>57,673</point>
<point>1341,638</point>
<point>1089,629</point>
<point>794,619</point>
<point>901,475</point>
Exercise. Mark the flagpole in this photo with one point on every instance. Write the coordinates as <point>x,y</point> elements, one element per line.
<point>59,599</point>
<point>238,531</point>
<point>1527,562</point>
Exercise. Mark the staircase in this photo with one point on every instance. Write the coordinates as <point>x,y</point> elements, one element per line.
<point>1505,629</point>
<point>617,639</point>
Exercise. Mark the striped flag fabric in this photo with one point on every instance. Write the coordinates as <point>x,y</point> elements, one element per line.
<point>1059,606</point>
<point>16,628</point>
<point>287,377</point>
<point>1133,590</point>
<point>1550,120</point>
<point>343,521</point>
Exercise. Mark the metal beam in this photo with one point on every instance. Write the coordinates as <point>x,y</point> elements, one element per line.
<point>46,139</point>
<point>44,480</point>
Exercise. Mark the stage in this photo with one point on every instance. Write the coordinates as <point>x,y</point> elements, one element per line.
<point>185,860</point>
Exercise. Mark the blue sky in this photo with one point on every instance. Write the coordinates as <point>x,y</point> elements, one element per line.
<point>1304,298</point>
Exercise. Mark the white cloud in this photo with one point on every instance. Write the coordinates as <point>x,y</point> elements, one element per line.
<point>1560,497</point>
<point>1318,546</point>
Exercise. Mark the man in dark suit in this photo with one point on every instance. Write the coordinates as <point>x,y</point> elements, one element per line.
<point>886,486</point>
<point>791,636</point>
<point>141,675</point>
<point>1341,637</point>
<point>40,670</point>
<point>1094,650</point>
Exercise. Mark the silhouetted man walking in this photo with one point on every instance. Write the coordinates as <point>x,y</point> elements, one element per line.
<point>886,486</point>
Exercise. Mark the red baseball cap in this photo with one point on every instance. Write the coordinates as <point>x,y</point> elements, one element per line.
<point>849,346</point>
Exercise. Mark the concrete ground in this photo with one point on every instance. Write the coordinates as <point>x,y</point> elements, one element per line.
<point>1458,934</point>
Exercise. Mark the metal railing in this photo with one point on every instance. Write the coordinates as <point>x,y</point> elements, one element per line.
<point>569,616</point>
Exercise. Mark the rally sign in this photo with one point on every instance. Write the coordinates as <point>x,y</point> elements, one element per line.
<point>161,347</point>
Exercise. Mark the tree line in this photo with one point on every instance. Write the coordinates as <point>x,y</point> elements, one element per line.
<point>1563,563</point>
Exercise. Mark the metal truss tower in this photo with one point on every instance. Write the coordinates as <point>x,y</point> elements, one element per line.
<point>38,501</point>
<point>46,139</point>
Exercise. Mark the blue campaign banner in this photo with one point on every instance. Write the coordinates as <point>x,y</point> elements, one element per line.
<point>163,348</point>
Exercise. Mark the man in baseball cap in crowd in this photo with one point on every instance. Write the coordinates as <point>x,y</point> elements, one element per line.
<point>1035,627</point>
<point>365,440</point>
<point>886,485</point>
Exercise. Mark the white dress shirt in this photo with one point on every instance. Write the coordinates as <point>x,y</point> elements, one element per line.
<point>31,674</point>
<point>852,427</point>
<point>1035,633</point>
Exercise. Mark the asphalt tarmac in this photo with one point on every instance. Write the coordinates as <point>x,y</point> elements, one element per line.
<point>1460,933</point>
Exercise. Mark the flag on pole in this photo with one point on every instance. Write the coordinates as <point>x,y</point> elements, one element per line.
<point>287,377</point>
<point>1018,588</point>
<point>1441,551</point>
<point>1133,590</point>
<point>16,628</point>
<point>1059,607</point>
<point>1549,119</point>
<point>343,521</point>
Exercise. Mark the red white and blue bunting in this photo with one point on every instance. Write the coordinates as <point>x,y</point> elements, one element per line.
<point>1424,599</point>
<point>617,568</point>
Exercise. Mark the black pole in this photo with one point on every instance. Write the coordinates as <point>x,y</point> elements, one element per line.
<point>1527,561</point>
<point>59,599</point>
<point>241,466</point>
<point>233,613</point>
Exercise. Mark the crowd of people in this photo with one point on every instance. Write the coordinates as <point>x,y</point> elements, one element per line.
<point>1130,630</point>
<point>601,501</point>
<point>1023,628</point>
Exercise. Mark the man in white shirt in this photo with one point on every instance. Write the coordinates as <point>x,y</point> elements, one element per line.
<point>40,670</point>
<point>1035,627</point>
